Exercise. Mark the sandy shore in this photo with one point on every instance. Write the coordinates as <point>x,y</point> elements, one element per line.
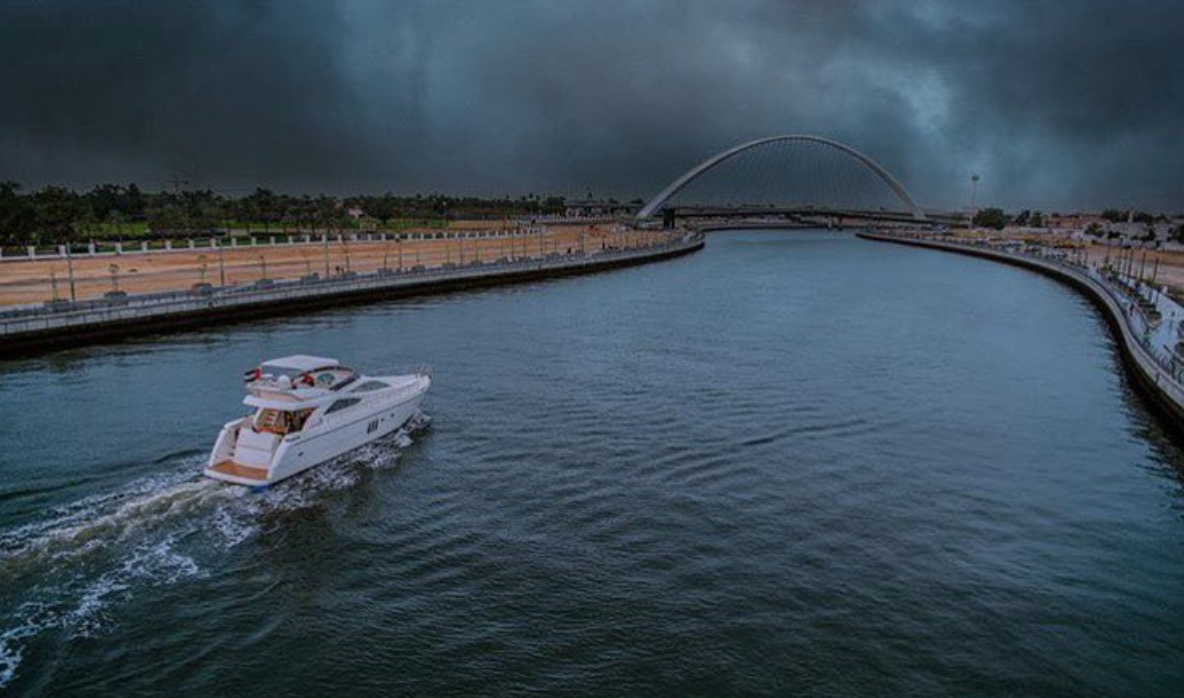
<point>24,282</point>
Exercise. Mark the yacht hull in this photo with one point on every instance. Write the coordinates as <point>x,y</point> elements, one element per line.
<point>231,460</point>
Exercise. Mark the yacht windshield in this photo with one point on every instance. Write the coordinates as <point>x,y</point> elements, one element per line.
<point>278,371</point>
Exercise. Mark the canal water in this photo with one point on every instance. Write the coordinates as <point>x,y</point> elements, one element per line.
<point>795,463</point>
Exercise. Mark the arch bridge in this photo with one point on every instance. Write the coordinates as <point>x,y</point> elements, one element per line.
<point>807,181</point>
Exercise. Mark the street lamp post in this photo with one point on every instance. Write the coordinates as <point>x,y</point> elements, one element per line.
<point>973,196</point>
<point>325,240</point>
<point>70,271</point>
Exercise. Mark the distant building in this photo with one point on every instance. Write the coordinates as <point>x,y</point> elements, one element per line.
<point>355,213</point>
<point>599,208</point>
<point>1073,221</point>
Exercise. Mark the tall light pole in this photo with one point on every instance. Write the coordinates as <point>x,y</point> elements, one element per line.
<point>70,272</point>
<point>325,241</point>
<point>973,196</point>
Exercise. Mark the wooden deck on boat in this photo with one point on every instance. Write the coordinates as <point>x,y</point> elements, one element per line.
<point>229,467</point>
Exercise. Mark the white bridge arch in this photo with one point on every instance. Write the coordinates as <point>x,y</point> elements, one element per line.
<point>692,174</point>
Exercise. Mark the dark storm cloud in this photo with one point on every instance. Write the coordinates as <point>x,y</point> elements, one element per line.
<point>1057,104</point>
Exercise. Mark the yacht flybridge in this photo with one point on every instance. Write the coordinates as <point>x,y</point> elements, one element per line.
<point>309,409</point>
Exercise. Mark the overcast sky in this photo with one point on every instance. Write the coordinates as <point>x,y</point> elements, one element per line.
<point>1058,104</point>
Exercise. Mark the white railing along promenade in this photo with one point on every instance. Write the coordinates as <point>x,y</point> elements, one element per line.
<point>104,248</point>
<point>526,228</point>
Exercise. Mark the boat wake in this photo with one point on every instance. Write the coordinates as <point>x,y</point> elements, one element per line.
<point>67,573</point>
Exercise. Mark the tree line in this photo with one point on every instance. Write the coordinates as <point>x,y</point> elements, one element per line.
<point>53,215</point>
<point>997,218</point>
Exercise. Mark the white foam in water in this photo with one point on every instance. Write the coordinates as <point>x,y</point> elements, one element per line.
<point>94,522</point>
<point>61,556</point>
<point>233,530</point>
<point>77,515</point>
<point>143,528</point>
<point>12,651</point>
<point>80,608</point>
<point>340,473</point>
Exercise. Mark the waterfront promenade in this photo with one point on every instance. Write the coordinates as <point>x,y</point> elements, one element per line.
<point>90,270</point>
<point>1147,323</point>
<point>37,328</point>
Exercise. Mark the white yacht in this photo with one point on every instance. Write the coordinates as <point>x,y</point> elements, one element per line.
<point>309,409</point>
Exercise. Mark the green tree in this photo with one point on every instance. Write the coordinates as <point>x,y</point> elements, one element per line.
<point>263,206</point>
<point>17,216</point>
<point>104,199</point>
<point>990,218</point>
<point>132,204</point>
<point>59,213</point>
<point>384,207</point>
<point>167,218</point>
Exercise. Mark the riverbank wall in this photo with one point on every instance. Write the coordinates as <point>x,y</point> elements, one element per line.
<point>1152,374</point>
<point>27,331</point>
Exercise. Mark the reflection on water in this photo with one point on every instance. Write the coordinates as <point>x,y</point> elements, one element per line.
<point>794,463</point>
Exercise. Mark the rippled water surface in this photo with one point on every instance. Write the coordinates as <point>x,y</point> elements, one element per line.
<point>791,464</point>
